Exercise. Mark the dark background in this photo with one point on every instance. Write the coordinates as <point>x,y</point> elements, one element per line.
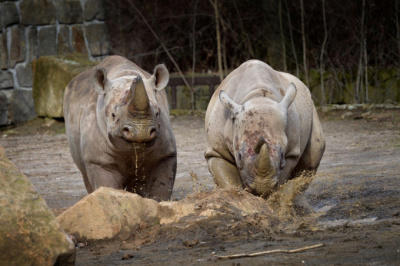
<point>360,56</point>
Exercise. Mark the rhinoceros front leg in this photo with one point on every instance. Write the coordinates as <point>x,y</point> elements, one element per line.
<point>163,178</point>
<point>100,177</point>
<point>290,164</point>
<point>224,173</point>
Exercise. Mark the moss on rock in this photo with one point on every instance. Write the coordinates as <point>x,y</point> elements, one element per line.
<point>29,232</point>
<point>51,75</point>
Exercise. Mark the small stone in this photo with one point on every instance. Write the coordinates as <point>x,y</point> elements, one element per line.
<point>32,43</point>
<point>22,106</point>
<point>47,41</point>
<point>98,39</point>
<point>9,14</point>
<point>3,48</point>
<point>127,256</point>
<point>18,46</point>
<point>6,80</point>
<point>69,12</point>
<point>37,12</point>
<point>24,75</point>
<point>63,44</point>
<point>78,44</point>
<point>4,111</point>
<point>94,9</point>
<point>191,243</point>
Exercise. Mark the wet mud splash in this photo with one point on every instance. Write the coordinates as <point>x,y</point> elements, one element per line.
<point>287,202</point>
<point>231,214</point>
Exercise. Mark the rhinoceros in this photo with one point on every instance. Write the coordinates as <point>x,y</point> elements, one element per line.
<point>118,128</point>
<point>262,129</point>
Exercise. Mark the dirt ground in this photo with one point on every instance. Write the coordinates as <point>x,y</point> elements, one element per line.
<point>351,206</point>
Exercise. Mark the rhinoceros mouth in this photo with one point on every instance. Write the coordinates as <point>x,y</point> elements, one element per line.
<point>138,143</point>
<point>124,144</point>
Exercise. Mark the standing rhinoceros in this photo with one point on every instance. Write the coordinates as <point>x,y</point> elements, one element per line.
<point>262,130</point>
<point>118,128</point>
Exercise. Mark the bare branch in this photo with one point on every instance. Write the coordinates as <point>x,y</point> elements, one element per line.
<point>321,65</point>
<point>303,36</point>
<point>215,6</point>
<point>162,44</point>
<point>235,256</point>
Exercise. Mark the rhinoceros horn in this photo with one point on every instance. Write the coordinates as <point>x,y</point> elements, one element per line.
<point>139,101</point>
<point>263,182</point>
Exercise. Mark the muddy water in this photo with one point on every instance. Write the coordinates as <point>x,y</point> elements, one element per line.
<point>351,206</point>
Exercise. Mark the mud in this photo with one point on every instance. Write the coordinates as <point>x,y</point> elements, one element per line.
<point>351,206</point>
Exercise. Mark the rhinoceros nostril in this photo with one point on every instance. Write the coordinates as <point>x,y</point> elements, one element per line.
<point>152,132</point>
<point>126,131</point>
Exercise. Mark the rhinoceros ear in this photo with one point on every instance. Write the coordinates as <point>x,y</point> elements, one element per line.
<point>160,77</point>
<point>290,94</point>
<point>100,81</point>
<point>229,104</point>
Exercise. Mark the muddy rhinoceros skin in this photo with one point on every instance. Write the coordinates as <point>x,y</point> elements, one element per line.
<point>262,129</point>
<point>118,128</point>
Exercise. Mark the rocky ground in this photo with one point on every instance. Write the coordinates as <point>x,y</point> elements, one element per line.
<point>351,206</point>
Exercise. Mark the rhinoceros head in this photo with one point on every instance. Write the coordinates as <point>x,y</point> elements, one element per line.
<point>127,108</point>
<point>259,139</point>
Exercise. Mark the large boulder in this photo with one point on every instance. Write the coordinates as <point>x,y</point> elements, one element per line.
<point>108,213</point>
<point>29,232</point>
<point>51,74</point>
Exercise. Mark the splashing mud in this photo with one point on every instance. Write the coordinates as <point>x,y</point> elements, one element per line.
<point>283,200</point>
<point>232,213</point>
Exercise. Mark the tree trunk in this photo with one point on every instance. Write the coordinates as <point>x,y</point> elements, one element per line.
<point>215,5</point>
<point>366,70</point>
<point>321,64</point>
<point>282,37</point>
<point>303,36</point>
<point>398,35</point>
<point>193,89</point>
<point>360,61</point>
<point>291,40</point>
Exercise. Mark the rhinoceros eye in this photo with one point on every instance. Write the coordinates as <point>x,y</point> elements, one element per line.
<point>113,115</point>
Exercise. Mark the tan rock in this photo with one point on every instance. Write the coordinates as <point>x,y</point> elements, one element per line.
<point>51,75</point>
<point>107,213</point>
<point>29,232</point>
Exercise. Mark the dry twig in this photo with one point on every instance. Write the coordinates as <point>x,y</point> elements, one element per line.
<point>235,256</point>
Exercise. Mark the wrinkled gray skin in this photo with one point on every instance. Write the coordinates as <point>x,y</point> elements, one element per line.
<point>118,128</point>
<point>262,129</point>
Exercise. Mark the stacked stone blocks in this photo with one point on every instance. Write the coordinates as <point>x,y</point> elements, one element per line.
<point>30,29</point>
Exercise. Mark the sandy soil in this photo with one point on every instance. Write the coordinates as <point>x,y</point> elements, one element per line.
<point>351,206</point>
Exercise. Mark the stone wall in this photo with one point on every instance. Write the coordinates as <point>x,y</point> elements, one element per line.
<point>33,28</point>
